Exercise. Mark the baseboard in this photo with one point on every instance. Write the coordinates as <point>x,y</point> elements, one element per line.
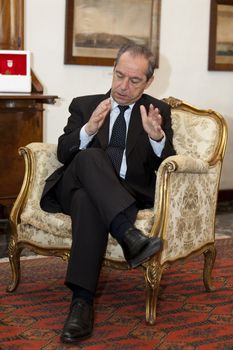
<point>225,195</point>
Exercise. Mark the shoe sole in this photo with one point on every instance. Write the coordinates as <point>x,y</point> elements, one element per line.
<point>74,340</point>
<point>146,254</point>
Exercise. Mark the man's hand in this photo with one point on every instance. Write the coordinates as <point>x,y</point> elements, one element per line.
<point>151,122</point>
<point>98,117</point>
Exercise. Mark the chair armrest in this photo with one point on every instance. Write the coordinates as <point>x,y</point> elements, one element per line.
<point>178,164</point>
<point>43,159</point>
<point>178,176</point>
<point>185,204</point>
<point>185,164</point>
<point>40,161</point>
<point>42,148</point>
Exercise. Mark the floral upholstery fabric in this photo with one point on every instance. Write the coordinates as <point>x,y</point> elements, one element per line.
<point>191,207</point>
<point>191,185</point>
<point>54,230</point>
<point>195,135</point>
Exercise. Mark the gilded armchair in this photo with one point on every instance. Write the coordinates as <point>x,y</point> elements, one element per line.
<point>183,214</point>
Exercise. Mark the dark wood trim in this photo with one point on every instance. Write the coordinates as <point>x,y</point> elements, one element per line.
<point>225,195</point>
<point>69,23</point>
<point>212,34</point>
<point>12,25</point>
<point>212,64</point>
<point>37,98</point>
<point>36,84</point>
<point>21,25</point>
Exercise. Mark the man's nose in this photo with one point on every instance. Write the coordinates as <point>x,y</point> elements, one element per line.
<point>125,83</point>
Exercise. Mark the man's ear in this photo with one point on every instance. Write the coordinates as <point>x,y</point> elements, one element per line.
<point>149,82</point>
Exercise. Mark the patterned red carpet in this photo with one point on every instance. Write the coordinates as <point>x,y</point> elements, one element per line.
<point>188,318</point>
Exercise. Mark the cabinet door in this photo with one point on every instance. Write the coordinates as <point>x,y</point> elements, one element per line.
<point>11,24</point>
<point>19,126</point>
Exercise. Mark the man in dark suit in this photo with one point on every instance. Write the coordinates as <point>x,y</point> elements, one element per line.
<point>111,147</point>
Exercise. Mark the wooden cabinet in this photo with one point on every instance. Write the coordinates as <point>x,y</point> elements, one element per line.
<point>21,122</point>
<point>21,115</point>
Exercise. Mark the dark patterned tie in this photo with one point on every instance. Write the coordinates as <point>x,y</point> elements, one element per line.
<point>116,145</point>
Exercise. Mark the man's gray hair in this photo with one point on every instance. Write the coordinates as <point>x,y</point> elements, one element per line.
<point>137,50</point>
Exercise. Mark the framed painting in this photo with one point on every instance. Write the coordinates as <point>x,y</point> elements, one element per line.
<point>94,30</point>
<point>221,35</point>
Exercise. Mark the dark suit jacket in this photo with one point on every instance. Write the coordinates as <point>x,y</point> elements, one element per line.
<point>141,160</point>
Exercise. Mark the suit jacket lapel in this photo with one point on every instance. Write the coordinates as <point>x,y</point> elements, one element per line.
<point>103,133</point>
<point>135,126</point>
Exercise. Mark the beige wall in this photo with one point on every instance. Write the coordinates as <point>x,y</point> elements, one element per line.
<point>182,72</point>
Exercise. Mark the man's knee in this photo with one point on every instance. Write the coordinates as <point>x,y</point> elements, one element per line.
<point>89,157</point>
<point>88,154</point>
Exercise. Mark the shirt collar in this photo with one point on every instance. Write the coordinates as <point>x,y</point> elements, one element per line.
<point>115,104</point>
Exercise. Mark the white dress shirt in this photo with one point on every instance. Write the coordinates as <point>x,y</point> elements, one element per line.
<point>85,138</point>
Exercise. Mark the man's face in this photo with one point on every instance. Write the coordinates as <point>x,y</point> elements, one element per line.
<point>129,79</point>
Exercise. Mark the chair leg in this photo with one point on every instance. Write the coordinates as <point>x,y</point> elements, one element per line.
<point>153,276</point>
<point>209,256</point>
<point>14,258</point>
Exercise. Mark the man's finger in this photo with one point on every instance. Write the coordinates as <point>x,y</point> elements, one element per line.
<point>143,111</point>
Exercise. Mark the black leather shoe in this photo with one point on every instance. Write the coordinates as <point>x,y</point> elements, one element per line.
<point>138,248</point>
<point>79,323</point>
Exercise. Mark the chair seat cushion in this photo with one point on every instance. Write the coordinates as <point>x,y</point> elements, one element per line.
<point>54,230</point>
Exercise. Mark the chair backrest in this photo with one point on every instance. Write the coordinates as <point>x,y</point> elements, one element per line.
<point>198,133</point>
<point>42,158</point>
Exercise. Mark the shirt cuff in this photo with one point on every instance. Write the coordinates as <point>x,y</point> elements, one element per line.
<point>85,139</point>
<point>158,146</point>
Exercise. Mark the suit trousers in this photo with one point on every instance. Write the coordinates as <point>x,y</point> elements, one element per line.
<point>92,194</point>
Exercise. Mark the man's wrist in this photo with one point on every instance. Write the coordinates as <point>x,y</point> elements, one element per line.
<point>160,139</point>
<point>88,132</point>
<point>84,138</point>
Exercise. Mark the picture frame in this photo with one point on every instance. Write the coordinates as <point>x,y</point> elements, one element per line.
<point>94,30</point>
<point>221,35</point>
